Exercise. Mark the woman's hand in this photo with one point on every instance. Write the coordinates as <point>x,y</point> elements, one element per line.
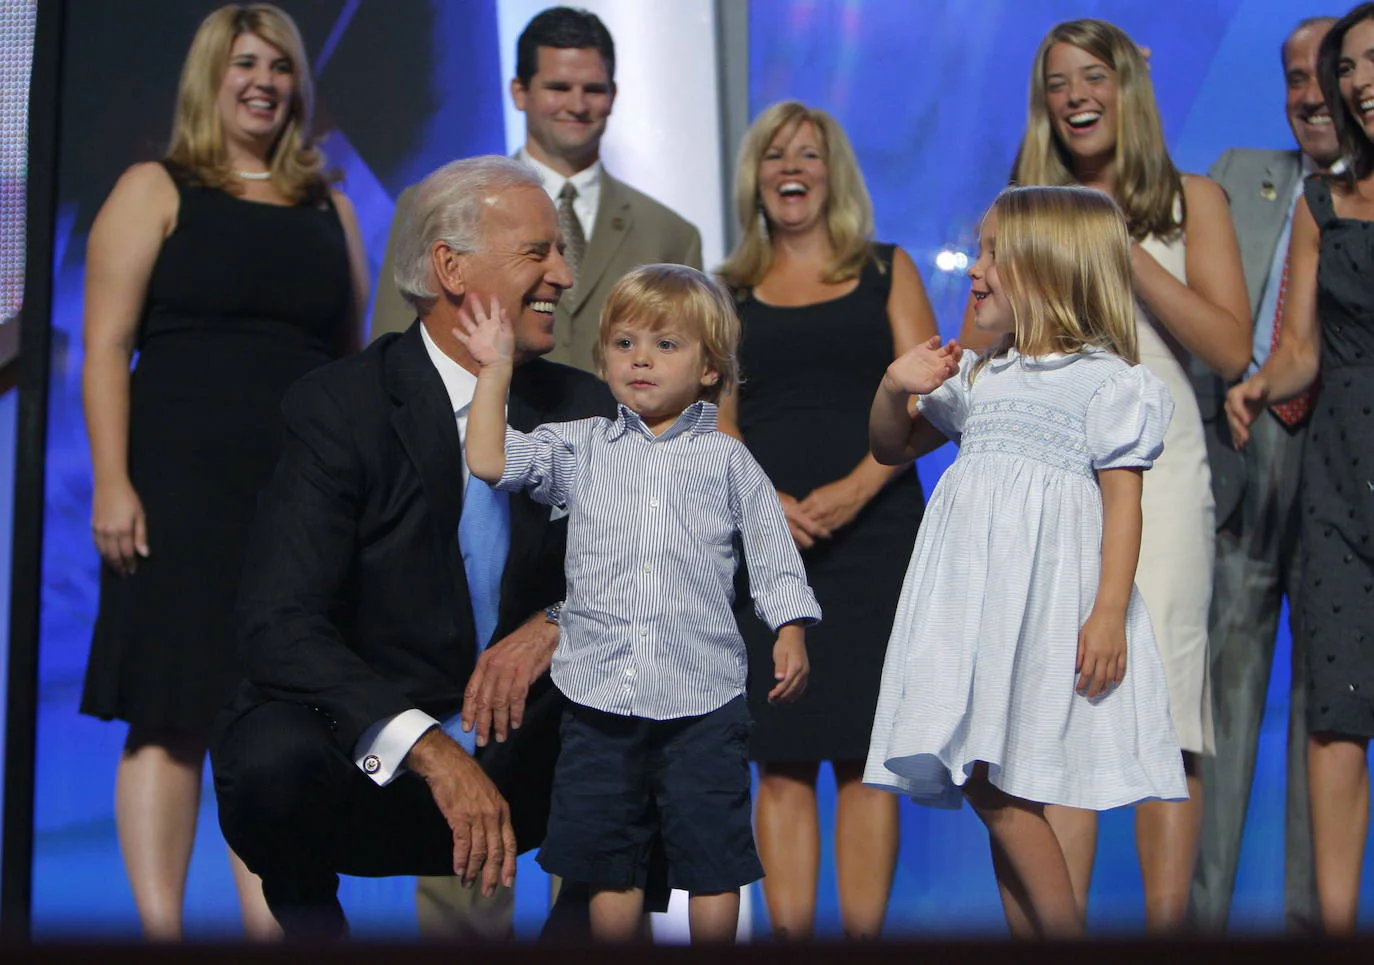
<point>835,504</point>
<point>923,369</point>
<point>1101,659</point>
<point>1244,403</point>
<point>805,528</point>
<point>118,526</point>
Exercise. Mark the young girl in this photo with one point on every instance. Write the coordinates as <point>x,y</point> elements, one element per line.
<point>1006,674</point>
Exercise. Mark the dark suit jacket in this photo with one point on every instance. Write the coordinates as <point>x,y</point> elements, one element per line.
<point>354,601</point>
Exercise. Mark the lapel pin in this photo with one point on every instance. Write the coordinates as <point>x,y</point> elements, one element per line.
<point>1268,192</point>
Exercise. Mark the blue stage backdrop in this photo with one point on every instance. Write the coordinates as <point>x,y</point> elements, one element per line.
<point>933,95</point>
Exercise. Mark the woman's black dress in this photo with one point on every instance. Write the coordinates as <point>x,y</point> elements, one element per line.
<point>810,373</point>
<point>244,299</point>
<point>1337,601</point>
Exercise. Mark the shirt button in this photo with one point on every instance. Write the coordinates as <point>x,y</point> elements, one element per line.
<point>643,631</point>
<point>653,502</point>
<point>630,672</point>
<point>648,567</point>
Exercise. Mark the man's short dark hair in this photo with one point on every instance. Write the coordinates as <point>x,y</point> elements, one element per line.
<point>562,27</point>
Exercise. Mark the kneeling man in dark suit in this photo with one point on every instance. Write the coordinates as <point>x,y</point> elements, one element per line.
<point>378,733</point>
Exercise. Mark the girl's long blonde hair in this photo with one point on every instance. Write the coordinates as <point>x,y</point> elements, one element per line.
<point>1148,186</point>
<point>1064,259</point>
<point>197,144</point>
<point>848,213</point>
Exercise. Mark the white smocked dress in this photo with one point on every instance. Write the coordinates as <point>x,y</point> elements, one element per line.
<point>980,664</point>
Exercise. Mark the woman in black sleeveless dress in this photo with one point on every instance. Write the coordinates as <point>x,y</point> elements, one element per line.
<point>1328,328</point>
<point>824,312</point>
<point>231,269</point>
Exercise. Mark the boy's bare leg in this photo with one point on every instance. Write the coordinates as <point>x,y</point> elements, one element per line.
<point>617,916</point>
<point>714,918</point>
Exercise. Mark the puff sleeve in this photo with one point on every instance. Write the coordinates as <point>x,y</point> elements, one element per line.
<point>1127,419</point>
<point>947,407</point>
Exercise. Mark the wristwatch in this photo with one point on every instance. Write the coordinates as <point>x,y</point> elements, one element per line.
<point>553,613</point>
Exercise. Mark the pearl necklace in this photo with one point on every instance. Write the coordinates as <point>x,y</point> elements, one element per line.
<point>253,175</point>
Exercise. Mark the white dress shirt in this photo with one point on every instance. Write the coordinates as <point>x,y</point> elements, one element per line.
<point>383,746</point>
<point>588,185</point>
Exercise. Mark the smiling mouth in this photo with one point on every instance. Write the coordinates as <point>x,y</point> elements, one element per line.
<point>978,296</point>
<point>1322,119</point>
<point>1366,105</point>
<point>261,104</point>
<point>1083,120</point>
<point>543,306</point>
<point>793,189</point>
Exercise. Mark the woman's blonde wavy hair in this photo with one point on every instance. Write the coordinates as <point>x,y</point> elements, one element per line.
<point>197,144</point>
<point>1064,259</point>
<point>1148,186</point>
<point>848,213</point>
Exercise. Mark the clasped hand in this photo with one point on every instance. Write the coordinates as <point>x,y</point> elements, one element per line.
<point>1244,403</point>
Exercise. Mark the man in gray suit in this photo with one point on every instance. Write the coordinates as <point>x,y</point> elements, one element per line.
<point>1257,515</point>
<point>565,85</point>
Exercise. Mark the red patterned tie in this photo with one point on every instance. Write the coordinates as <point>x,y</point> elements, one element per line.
<point>1295,409</point>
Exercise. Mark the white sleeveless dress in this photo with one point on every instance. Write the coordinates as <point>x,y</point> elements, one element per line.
<point>1177,539</point>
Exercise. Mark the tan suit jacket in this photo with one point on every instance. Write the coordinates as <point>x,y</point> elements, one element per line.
<point>632,229</point>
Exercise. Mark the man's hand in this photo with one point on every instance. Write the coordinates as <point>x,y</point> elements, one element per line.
<point>494,699</point>
<point>483,838</point>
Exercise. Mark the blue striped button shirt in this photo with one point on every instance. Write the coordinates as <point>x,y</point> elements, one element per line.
<point>647,629</point>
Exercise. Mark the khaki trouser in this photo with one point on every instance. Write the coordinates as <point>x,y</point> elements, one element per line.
<point>450,912</point>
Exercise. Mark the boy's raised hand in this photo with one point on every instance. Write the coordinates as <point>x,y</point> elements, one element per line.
<point>790,665</point>
<point>487,334</point>
<point>924,368</point>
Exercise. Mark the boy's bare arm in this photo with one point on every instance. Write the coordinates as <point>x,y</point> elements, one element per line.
<point>491,343</point>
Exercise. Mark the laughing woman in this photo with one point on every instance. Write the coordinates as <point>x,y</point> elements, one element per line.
<point>232,269</point>
<point>824,310</point>
<point>1328,327</point>
<point>1092,120</point>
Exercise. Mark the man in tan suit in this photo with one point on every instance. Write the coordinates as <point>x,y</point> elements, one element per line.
<point>565,85</point>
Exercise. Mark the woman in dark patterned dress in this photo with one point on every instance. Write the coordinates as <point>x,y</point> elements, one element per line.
<point>825,310</point>
<point>232,269</point>
<point>1328,330</point>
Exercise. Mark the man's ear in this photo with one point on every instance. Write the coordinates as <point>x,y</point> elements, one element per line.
<point>518,93</point>
<point>448,269</point>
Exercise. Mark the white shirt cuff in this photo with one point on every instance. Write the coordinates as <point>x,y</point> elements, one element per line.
<point>383,746</point>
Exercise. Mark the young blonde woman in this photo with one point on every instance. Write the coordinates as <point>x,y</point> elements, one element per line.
<point>1092,120</point>
<point>231,268</point>
<point>824,310</point>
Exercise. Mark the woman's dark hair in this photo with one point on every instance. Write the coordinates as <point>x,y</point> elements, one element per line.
<point>1356,149</point>
<point>562,27</point>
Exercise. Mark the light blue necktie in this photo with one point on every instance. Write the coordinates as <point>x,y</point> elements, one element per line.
<point>484,537</point>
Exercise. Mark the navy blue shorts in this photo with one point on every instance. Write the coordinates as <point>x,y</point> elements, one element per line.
<point>622,782</point>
